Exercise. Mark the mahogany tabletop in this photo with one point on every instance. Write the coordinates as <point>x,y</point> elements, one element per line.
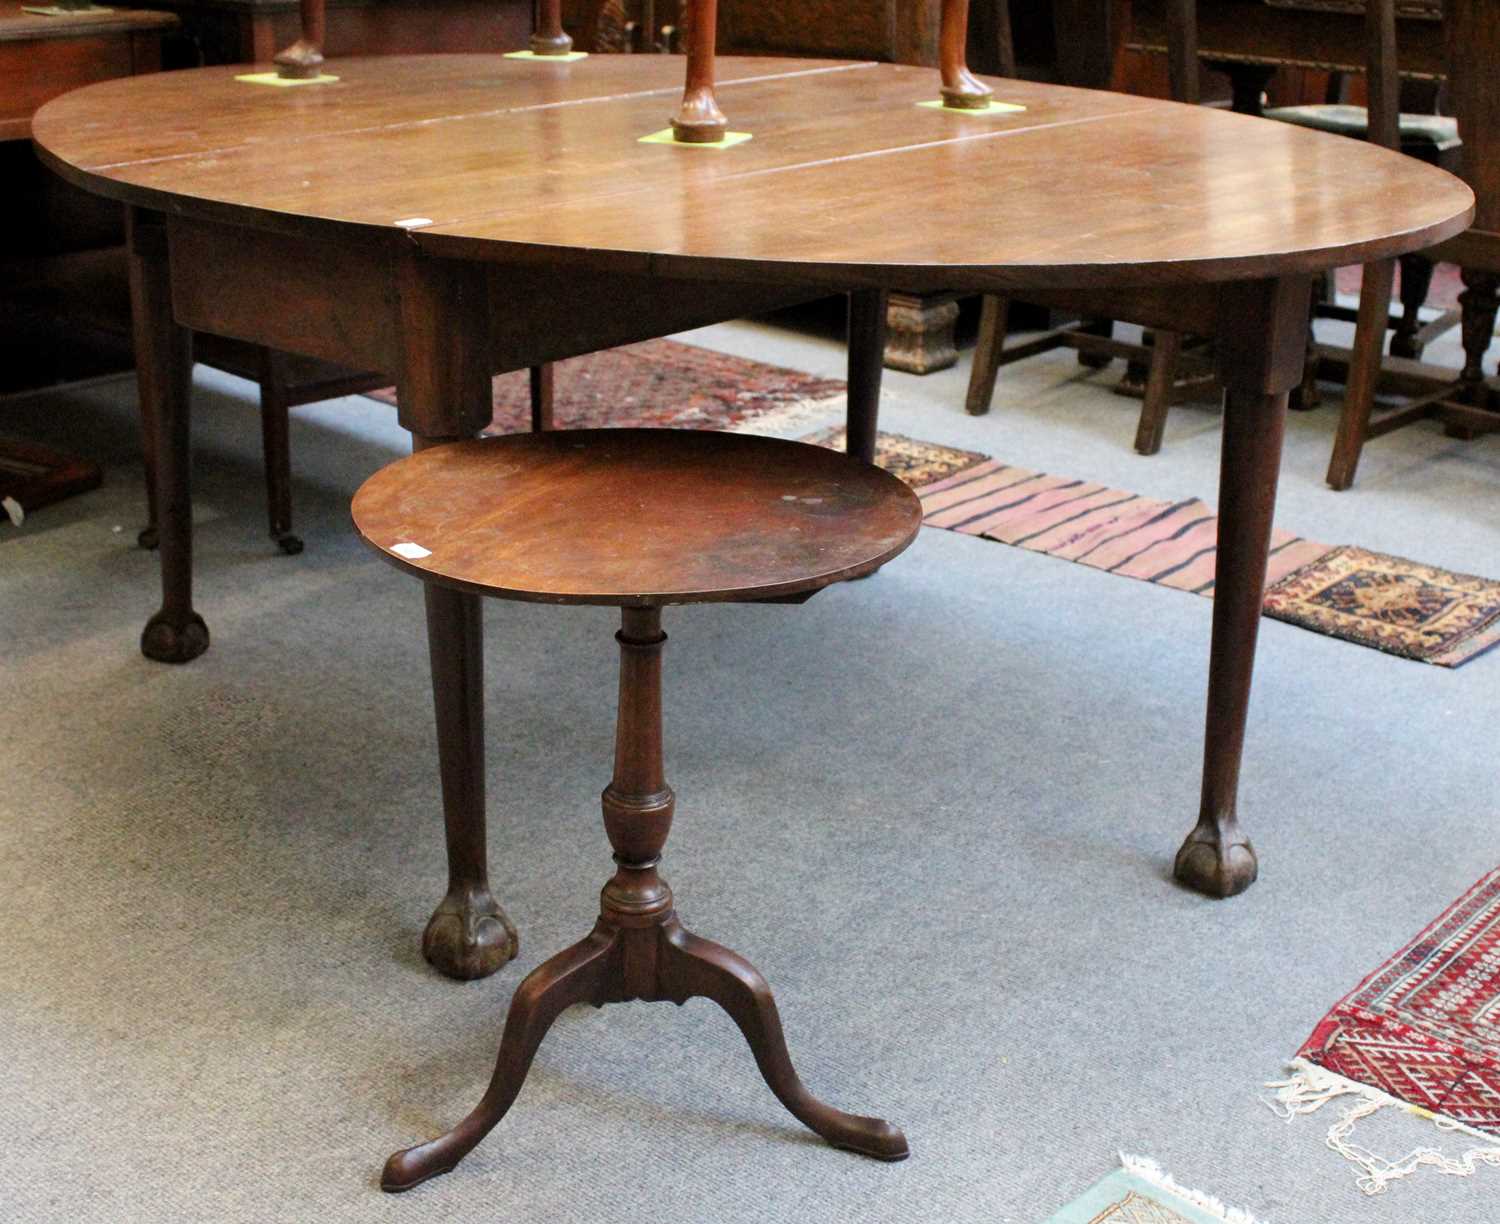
<point>635,516</point>
<point>846,178</point>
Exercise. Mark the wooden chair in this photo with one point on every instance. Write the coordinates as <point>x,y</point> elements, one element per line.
<point>1173,364</point>
<point>637,519</point>
<point>1249,38</point>
<point>1466,406</point>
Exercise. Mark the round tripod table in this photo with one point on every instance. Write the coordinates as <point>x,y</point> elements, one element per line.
<point>444,217</point>
<point>638,519</point>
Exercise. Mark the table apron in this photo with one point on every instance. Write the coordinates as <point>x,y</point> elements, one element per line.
<point>341,301</point>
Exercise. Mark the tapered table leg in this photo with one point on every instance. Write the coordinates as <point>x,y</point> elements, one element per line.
<point>469,935</point>
<point>443,391</point>
<point>164,360</point>
<point>866,339</point>
<point>1261,350</point>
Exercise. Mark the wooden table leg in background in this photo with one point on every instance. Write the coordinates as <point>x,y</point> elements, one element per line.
<point>444,393</point>
<point>866,338</point>
<point>1262,337</point>
<point>164,369</point>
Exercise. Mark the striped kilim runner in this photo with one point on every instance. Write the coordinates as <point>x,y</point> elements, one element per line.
<point>1373,599</point>
<point>1170,543</point>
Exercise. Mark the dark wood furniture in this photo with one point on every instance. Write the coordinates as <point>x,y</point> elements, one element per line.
<point>920,327</point>
<point>42,57</point>
<point>303,60</point>
<point>522,260</point>
<point>253,31</point>
<point>1254,39</point>
<point>1092,339</point>
<point>639,519</point>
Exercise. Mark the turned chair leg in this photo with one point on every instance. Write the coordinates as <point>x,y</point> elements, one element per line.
<point>548,37</point>
<point>1364,372</point>
<point>960,88</point>
<point>276,449</point>
<point>1480,301</point>
<point>699,119</point>
<point>1416,283</point>
<point>638,949</point>
<point>304,58</point>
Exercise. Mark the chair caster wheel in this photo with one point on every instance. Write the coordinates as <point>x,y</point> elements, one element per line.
<point>288,543</point>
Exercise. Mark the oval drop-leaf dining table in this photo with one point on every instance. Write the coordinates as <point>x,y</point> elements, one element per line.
<point>442,218</point>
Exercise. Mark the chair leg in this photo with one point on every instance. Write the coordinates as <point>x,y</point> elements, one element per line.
<point>541,397</point>
<point>1480,301</point>
<point>1158,397</point>
<point>1416,281</point>
<point>276,447</point>
<point>994,312</point>
<point>1364,372</point>
<point>1096,327</point>
<point>1306,395</point>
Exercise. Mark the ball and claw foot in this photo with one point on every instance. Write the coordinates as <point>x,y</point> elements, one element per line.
<point>168,638</point>
<point>290,544</point>
<point>147,538</point>
<point>1216,862</point>
<point>469,936</point>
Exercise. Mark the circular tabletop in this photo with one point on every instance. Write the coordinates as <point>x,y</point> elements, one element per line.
<point>635,516</point>
<point>847,178</point>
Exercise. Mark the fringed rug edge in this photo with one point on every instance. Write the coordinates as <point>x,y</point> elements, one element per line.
<point>1149,1171</point>
<point>1310,1087</point>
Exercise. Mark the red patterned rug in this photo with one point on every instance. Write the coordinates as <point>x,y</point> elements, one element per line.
<point>660,382</point>
<point>1421,1032</point>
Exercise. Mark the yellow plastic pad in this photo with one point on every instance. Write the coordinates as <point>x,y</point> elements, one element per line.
<point>270,78</point>
<point>555,59</point>
<point>667,137</point>
<point>994,108</point>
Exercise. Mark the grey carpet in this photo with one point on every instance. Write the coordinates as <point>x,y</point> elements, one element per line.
<point>937,808</point>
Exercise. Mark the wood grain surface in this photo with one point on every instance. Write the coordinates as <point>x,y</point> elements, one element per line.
<point>635,516</point>
<point>847,180</point>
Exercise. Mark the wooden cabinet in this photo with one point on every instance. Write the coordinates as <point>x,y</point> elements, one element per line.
<point>903,31</point>
<point>252,31</point>
<point>42,57</point>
